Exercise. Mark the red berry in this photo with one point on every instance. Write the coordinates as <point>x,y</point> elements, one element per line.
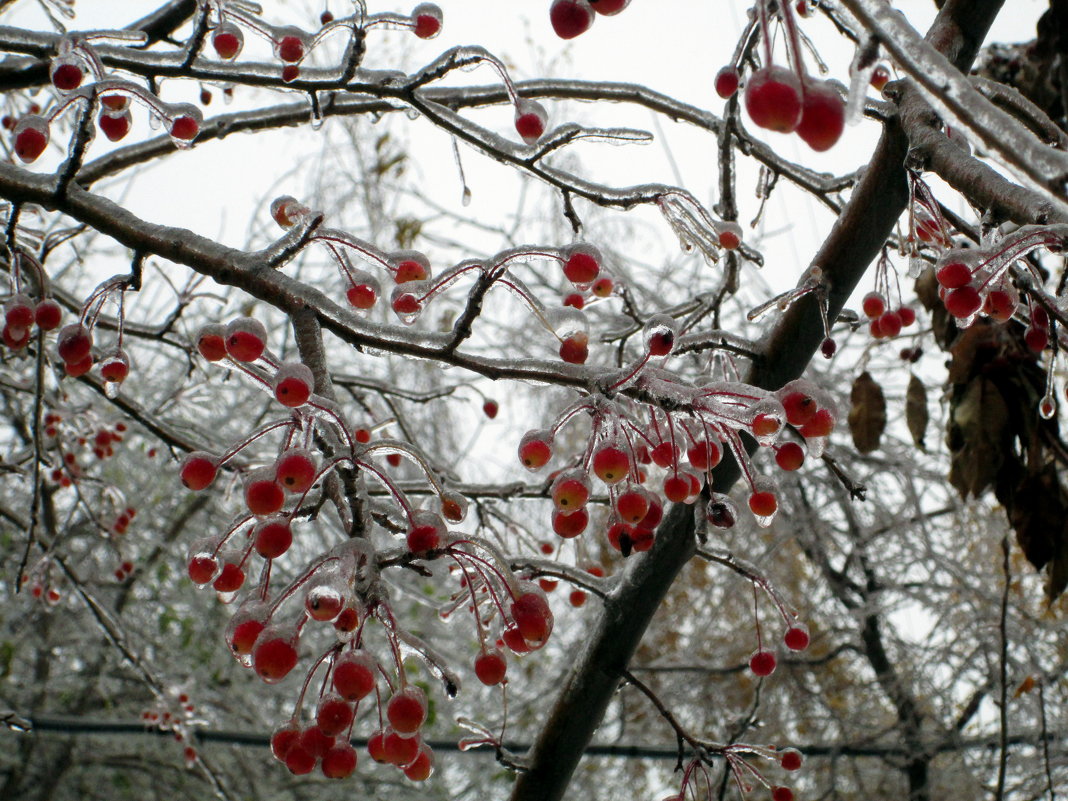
<point>74,343</point>
<point>491,667</point>
<point>790,759</point>
<point>272,537</point>
<point>211,342</point>
<point>333,715</point>
<point>582,265</point>
<point>790,456</point>
<point>376,747</point>
<point>575,349</point>
<point>530,120</point>
<point>490,409</point>
<point>400,750</point>
<point>727,82</point>
<point>67,77</point>
<point>512,637</point>
<point>299,760</point>
<point>47,314</point>
<point>31,138</point>
<point>246,339</point>
<point>575,300</point>
<point>880,76</point>
<point>274,655</point>
<point>227,39</point>
<point>115,368</point>
<point>610,463</point>
<point>762,663</point>
<point>954,274</point>
<point>186,126</point>
<point>822,117</point>
<point>295,469</point>
<point>773,99</point>
<point>570,524</point>
<point>230,579</point>
<point>873,305</point>
<point>763,504</point>
<point>782,794</point>
<point>198,470</point>
<point>963,302</point>
<point>704,455</point>
<point>290,48</point>
<point>426,19</point>
<point>608,8</point>
<point>821,425</point>
<point>362,296</point>
<point>406,710</point>
<point>632,506</point>
<point>570,18</point>
<point>907,315</point>
<point>283,739</point>
<point>202,568</point>
<point>766,425</point>
<point>354,675</point>
<point>339,762</point>
<point>570,490</point>
<point>420,768</point>
<point>115,126</point>
<point>603,286</point>
<point>532,617</point>
<point>325,18</point>
<point>890,324</point>
<point>293,384</point>
<point>263,495</point>
<point>315,741</point>
<point>410,266</point>
<point>577,598</point>
<point>730,235</point>
<point>1036,338</point>
<point>665,454</point>
<point>796,637</point>
<point>677,488</point>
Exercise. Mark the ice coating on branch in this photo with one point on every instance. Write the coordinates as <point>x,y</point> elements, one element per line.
<point>691,223</point>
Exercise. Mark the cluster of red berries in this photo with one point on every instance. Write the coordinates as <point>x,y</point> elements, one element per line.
<point>696,775</point>
<point>571,18</point>
<point>40,584</point>
<point>22,313</point>
<point>885,323</point>
<point>291,45</point>
<point>174,712</point>
<point>787,100</point>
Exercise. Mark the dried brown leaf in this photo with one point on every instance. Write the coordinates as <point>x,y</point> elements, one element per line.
<point>916,415</point>
<point>867,414</point>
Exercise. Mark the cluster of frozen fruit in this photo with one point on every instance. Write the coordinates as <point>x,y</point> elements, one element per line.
<point>342,589</point>
<point>571,18</point>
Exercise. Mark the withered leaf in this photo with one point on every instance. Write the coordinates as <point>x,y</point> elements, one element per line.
<point>977,437</point>
<point>867,413</point>
<point>916,415</point>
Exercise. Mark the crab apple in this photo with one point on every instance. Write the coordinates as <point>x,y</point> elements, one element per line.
<point>333,715</point>
<point>620,537</point>
<point>570,524</point>
<point>420,768</point>
<point>611,463</point>
<point>873,305</point>
<point>410,265</point>
<point>603,286</point>
<point>963,302</point>
<point>632,506</point>
<point>490,408</point>
<point>575,300</point>
<point>575,349</point>
<point>115,126</point>
<point>185,122</point>
<point>290,45</point>
<point>362,295</point>
<point>400,750</point>
<point>608,8</point>
<point>74,342</point>
<point>315,741</point>
<point>773,99</point>
<point>491,667</point>
<point>47,315</point>
<point>293,384</point>
<point>275,653</point>
<point>654,515</point>
<point>1036,338</point>
<point>727,81</point>
<point>211,342</point>
<point>796,637</point>
<point>659,335</point>
<point>822,116</point>
<point>272,537</point>
<point>354,675</point>
<point>406,710</point>
<point>75,369</point>
<point>530,120</point>
<point>762,663</point>
<point>790,759</point>
<point>376,746</point>
<point>907,315</point>
<point>115,368</point>
<point>283,739</point>
<point>532,616</point>
<point>880,77</point>
<point>31,138</point>
<point>729,235</point>
<point>347,621</point>
<point>570,18</point>
<point>513,638</point>
<point>263,495</point>
<point>227,39</point>
<point>763,503</point>
<point>890,324</point>
<point>782,794</point>
<point>203,566</point>
<point>953,274</point>
<point>425,534</point>
<point>821,425</point>
<point>790,456</point>
<point>287,211</point>
<point>245,628</point>
<point>394,459</point>
<point>324,601</point>
<point>583,264</point>
<point>295,469</point>
<point>246,339</point>
<point>766,425</point>
<point>828,348</point>
<point>339,762</point>
<point>999,305</point>
<point>299,760</point>
<point>704,454</point>
<point>570,490</point>
<point>67,75</point>
<point>18,312</point>
<point>198,470</point>
<point>230,579</point>
<point>665,454</point>
<point>677,488</point>
<point>426,20</point>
